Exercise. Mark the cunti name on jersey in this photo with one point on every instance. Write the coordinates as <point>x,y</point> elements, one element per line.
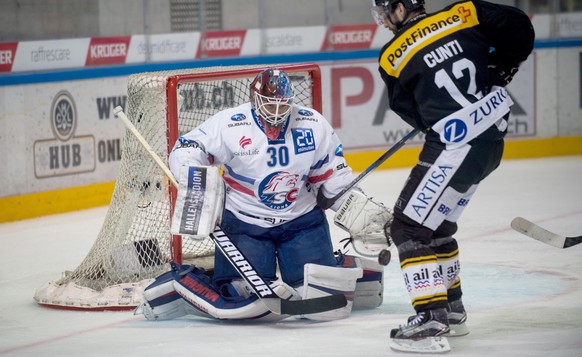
<point>424,33</point>
<point>238,120</point>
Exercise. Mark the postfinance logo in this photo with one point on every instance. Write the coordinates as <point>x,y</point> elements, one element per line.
<point>426,32</point>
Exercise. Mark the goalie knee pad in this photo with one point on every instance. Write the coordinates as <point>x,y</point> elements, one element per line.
<point>320,280</point>
<point>161,301</point>
<point>187,290</point>
<point>197,290</point>
<point>369,292</point>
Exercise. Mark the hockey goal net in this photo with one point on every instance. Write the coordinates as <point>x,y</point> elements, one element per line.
<point>134,244</point>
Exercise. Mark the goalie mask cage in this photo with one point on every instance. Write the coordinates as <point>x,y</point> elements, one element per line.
<point>134,244</point>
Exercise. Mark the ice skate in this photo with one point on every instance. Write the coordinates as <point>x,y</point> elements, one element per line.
<point>457,316</point>
<point>424,333</point>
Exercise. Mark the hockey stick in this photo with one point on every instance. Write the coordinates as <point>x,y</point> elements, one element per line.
<point>384,255</point>
<point>534,231</point>
<point>326,203</point>
<point>264,291</point>
<point>242,265</point>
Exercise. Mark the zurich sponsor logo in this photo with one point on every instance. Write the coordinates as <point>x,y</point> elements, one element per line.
<point>339,151</point>
<point>305,112</point>
<point>238,117</point>
<point>455,130</point>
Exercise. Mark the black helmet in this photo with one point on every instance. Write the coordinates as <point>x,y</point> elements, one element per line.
<point>410,5</point>
<point>380,8</point>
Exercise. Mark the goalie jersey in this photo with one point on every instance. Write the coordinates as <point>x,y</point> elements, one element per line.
<point>268,182</point>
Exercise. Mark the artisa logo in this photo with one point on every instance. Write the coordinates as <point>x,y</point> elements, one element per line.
<point>63,116</point>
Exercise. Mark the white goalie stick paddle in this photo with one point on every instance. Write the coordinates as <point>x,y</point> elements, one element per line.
<point>534,231</point>
<point>244,267</point>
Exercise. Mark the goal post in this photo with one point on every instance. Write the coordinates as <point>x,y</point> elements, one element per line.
<point>134,244</point>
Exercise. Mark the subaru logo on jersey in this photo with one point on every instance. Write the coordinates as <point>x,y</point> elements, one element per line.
<point>455,130</point>
<point>305,112</point>
<point>303,139</point>
<point>339,151</point>
<point>238,117</point>
<point>279,189</point>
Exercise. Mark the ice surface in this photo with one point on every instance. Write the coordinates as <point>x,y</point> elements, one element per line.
<point>523,298</point>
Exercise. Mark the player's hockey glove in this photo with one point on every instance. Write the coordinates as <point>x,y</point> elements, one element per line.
<point>500,76</point>
<point>500,73</point>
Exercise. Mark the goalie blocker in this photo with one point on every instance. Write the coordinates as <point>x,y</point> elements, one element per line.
<point>199,203</point>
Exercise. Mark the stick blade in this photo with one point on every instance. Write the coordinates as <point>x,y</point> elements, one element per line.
<point>307,306</point>
<point>534,231</point>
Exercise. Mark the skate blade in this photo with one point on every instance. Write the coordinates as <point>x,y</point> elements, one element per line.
<point>438,344</point>
<point>458,330</point>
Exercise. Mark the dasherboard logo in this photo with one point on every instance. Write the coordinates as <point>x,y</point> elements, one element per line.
<point>63,116</point>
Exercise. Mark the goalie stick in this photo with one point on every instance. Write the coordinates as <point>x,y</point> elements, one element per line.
<point>264,291</point>
<point>326,203</point>
<point>244,267</point>
<point>534,231</point>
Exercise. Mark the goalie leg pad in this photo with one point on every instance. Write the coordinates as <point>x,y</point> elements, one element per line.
<point>197,290</point>
<point>200,201</point>
<point>369,292</point>
<point>320,280</point>
<point>161,301</point>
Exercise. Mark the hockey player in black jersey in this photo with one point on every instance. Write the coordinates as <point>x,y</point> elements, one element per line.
<point>445,73</point>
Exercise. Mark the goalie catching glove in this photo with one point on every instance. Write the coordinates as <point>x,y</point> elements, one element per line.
<point>365,220</point>
<point>199,203</point>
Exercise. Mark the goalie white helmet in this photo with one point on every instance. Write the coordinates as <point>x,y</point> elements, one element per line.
<point>271,95</point>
